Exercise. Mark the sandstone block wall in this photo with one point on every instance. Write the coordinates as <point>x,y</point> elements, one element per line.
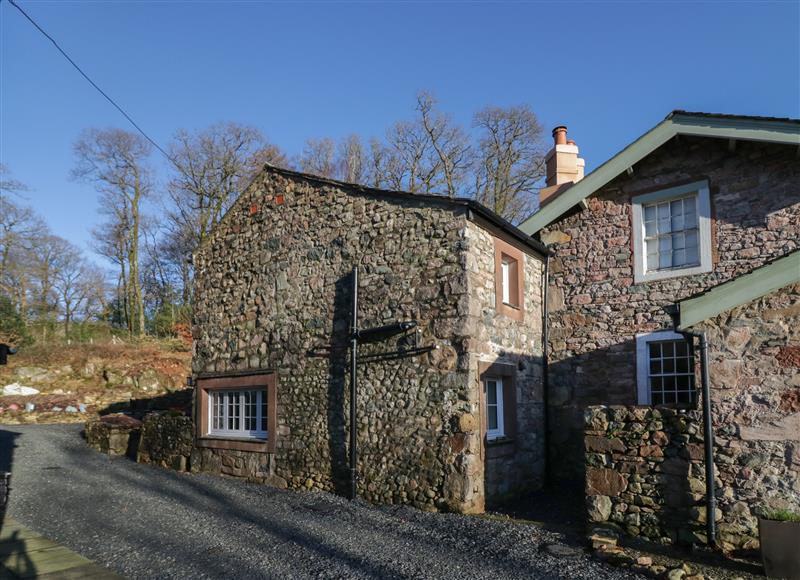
<point>754,353</point>
<point>515,465</point>
<point>273,294</point>
<point>596,309</point>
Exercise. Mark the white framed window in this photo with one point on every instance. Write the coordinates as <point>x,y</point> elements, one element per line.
<point>672,232</point>
<point>505,268</point>
<point>238,413</point>
<point>493,396</point>
<point>665,369</point>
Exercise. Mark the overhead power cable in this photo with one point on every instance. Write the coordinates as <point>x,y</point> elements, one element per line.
<point>94,84</point>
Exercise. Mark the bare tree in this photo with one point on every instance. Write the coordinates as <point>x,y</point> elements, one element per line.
<point>385,168</point>
<point>351,160</point>
<point>20,228</point>
<point>116,162</point>
<point>67,281</point>
<point>50,256</point>
<point>319,158</point>
<point>267,154</point>
<point>213,166</point>
<point>8,185</point>
<point>509,160</point>
<point>448,140</point>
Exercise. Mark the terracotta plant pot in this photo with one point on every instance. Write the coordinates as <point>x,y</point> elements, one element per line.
<point>780,548</point>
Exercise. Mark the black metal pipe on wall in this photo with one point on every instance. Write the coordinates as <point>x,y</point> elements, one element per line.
<point>708,438</point>
<point>353,387</point>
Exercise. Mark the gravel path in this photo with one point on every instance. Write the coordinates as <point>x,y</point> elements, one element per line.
<point>146,522</point>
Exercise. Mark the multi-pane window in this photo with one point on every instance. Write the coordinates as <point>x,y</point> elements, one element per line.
<point>493,396</point>
<point>238,413</point>
<point>671,234</point>
<point>666,369</point>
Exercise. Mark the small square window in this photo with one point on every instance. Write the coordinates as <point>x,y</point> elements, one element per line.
<point>672,232</point>
<point>665,369</point>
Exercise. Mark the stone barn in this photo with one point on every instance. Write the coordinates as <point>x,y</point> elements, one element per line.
<point>450,413</point>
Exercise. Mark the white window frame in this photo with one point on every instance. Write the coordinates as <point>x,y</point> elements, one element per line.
<point>505,270</point>
<point>500,431</point>
<point>241,433</point>
<point>643,361</point>
<point>700,188</point>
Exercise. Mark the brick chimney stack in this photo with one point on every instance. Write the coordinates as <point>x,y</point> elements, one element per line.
<point>564,167</point>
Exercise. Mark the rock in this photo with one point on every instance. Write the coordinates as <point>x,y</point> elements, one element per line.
<point>467,423</point>
<point>599,507</point>
<point>120,420</point>
<point>644,561</point>
<point>30,407</point>
<point>600,542</point>
<point>605,481</point>
<point>675,574</point>
<point>34,374</point>
<point>15,389</point>
<point>603,444</point>
<point>737,339</point>
<point>650,451</point>
<point>149,380</point>
<point>71,409</point>
<point>603,538</point>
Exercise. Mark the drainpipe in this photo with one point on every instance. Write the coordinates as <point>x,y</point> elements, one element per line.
<point>354,388</point>
<point>708,439</point>
<point>545,369</point>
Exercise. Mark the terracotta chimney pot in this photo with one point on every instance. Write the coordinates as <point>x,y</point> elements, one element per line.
<point>560,135</point>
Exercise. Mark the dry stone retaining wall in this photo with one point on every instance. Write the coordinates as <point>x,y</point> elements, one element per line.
<point>645,472</point>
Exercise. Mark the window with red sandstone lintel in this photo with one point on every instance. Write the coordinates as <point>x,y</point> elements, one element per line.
<point>509,279</point>
<point>237,412</point>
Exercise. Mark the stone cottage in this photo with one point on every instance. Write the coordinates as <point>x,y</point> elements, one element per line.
<point>694,226</point>
<point>450,413</point>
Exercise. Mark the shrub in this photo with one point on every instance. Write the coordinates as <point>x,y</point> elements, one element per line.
<point>782,516</point>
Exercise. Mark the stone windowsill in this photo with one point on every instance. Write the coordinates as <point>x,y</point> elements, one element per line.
<point>233,443</point>
<point>499,441</point>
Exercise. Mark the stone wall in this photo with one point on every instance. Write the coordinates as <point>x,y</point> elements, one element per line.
<point>644,466</point>
<point>166,440</point>
<point>645,472</point>
<point>113,434</point>
<point>755,393</point>
<point>272,293</point>
<point>517,464</point>
<point>596,309</point>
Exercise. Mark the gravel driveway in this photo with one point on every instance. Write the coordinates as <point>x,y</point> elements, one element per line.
<point>146,522</point>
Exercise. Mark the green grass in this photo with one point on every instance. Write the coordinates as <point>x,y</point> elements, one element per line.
<point>782,516</point>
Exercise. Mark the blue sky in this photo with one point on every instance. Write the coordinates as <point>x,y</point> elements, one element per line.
<point>608,70</point>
